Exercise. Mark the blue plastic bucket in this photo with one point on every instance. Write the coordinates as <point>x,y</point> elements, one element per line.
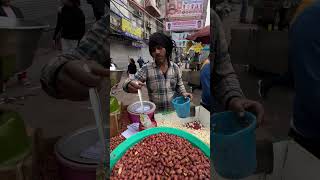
<point>234,144</point>
<point>182,106</point>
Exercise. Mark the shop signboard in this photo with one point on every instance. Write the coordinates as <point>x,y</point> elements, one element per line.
<point>129,30</point>
<point>184,25</point>
<point>180,39</point>
<point>185,8</point>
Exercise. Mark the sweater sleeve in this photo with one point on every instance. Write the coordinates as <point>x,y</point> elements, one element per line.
<point>59,25</point>
<point>83,25</point>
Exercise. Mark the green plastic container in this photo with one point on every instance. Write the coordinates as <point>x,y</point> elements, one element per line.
<point>14,141</point>
<point>117,153</point>
<point>114,104</point>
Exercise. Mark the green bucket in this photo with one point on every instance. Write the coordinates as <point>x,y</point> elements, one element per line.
<point>14,141</point>
<point>117,153</point>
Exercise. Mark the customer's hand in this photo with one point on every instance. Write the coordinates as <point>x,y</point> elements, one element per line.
<point>73,81</point>
<point>187,95</point>
<point>133,86</point>
<point>240,105</point>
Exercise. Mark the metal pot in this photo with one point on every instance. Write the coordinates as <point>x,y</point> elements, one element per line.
<point>115,76</point>
<point>67,151</point>
<point>19,41</point>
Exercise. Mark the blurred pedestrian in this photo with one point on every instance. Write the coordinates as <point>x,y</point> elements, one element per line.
<point>140,62</point>
<point>244,11</point>
<point>10,11</point>
<point>286,79</point>
<point>70,26</point>
<point>98,8</point>
<point>132,68</point>
<point>205,84</point>
<point>286,7</point>
<point>304,55</point>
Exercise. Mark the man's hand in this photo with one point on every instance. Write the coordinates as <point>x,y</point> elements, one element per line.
<point>133,86</point>
<point>240,105</point>
<point>187,95</point>
<point>73,82</point>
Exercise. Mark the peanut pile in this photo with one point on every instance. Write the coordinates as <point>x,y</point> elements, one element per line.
<point>162,156</point>
<point>115,141</point>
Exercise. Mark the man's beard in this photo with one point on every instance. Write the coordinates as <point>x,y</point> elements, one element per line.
<point>160,60</point>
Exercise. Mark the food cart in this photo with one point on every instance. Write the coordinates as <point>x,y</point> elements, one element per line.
<point>169,122</point>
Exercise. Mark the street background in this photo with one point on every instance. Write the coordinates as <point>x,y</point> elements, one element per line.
<point>59,117</point>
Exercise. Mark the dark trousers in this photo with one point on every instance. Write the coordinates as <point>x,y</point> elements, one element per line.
<point>311,145</point>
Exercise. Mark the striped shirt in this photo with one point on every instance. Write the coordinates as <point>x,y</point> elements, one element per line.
<point>162,87</point>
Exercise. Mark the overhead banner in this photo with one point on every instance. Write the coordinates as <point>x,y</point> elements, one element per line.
<point>184,8</point>
<point>180,39</point>
<point>130,30</point>
<point>184,25</point>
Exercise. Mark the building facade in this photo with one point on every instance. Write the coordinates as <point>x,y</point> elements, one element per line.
<point>131,23</point>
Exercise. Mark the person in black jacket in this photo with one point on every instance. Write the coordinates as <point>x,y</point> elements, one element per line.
<point>70,25</point>
<point>98,7</point>
<point>132,68</point>
<point>7,10</point>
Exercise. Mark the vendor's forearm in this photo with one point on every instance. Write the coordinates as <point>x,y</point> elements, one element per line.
<point>49,74</point>
<point>125,85</point>
<point>181,89</point>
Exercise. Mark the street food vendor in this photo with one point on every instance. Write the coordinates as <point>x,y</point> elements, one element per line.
<point>205,83</point>
<point>225,86</point>
<point>162,77</point>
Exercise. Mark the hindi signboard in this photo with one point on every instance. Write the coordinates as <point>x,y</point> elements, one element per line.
<point>130,30</point>
<point>184,25</point>
<point>184,8</point>
<point>180,39</point>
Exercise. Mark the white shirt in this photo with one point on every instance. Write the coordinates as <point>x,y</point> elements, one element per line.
<point>8,10</point>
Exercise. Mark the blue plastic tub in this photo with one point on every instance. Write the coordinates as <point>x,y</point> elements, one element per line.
<point>234,144</point>
<point>182,106</point>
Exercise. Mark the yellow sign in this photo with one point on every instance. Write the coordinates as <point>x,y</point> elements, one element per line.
<point>197,47</point>
<point>126,26</point>
<point>188,46</point>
